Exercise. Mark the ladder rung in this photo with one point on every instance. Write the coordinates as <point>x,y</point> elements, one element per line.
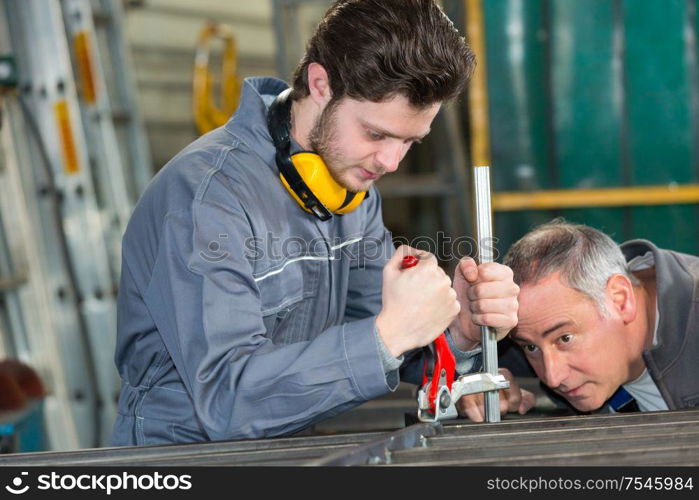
<point>12,283</point>
<point>121,115</point>
<point>101,17</point>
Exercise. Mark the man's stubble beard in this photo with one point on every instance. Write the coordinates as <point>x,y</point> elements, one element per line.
<point>323,140</point>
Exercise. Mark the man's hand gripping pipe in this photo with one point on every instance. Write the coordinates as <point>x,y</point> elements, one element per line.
<point>440,392</point>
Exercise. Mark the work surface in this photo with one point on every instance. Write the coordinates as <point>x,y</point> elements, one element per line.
<point>654,438</point>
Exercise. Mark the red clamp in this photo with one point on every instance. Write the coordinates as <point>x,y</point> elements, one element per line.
<point>440,364</point>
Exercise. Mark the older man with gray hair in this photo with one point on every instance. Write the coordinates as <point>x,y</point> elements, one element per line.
<point>606,325</point>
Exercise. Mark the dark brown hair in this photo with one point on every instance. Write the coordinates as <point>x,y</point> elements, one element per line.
<point>376,49</point>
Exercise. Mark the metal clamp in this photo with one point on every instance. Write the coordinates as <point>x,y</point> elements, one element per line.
<point>446,399</point>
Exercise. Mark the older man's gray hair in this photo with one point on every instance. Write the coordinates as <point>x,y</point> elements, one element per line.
<point>586,258</point>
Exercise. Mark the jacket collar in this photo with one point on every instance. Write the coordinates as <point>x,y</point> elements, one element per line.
<point>675,289</point>
<point>249,122</point>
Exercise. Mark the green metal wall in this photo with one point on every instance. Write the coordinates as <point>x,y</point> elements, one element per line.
<point>592,94</point>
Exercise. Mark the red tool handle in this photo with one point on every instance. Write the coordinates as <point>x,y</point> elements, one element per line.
<point>410,261</point>
<point>443,358</point>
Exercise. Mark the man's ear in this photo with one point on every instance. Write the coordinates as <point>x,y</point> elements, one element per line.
<point>620,291</point>
<point>319,85</point>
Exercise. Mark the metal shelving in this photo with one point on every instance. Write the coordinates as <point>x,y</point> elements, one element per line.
<point>653,438</point>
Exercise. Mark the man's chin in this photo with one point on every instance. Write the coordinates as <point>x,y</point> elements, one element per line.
<point>355,185</point>
<point>585,404</point>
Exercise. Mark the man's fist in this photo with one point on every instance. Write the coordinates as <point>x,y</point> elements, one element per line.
<point>488,297</point>
<point>418,302</point>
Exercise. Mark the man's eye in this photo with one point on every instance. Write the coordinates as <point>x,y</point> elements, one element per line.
<point>375,136</point>
<point>530,348</point>
<point>566,338</point>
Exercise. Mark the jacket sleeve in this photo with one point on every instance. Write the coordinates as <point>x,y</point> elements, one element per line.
<point>206,305</point>
<point>364,299</point>
<point>366,271</point>
<point>365,286</point>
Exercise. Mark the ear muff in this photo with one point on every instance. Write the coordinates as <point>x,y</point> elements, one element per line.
<point>305,174</point>
<point>315,173</point>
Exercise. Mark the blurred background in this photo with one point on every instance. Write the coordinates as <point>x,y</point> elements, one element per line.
<point>583,109</point>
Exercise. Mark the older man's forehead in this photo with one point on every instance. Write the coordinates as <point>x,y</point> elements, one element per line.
<point>546,307</point>
<point>547,290</point>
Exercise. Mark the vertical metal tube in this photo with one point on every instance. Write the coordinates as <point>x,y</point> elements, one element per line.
<point>484,230</point>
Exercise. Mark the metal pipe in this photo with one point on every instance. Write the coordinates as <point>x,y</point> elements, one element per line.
<point>484,231</point>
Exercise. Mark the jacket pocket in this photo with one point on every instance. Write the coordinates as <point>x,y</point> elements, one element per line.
<point>285,283</point>
<point>288,299</point>
<point>277,323</point>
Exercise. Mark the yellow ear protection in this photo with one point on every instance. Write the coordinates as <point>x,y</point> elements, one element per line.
<point>305,174</point>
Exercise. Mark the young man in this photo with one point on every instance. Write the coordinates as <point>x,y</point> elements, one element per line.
<point>608,326</point>
<point>254,305</point>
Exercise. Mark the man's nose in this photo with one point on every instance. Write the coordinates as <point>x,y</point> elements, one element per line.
<point>390,155</point>
<point>555,369</point>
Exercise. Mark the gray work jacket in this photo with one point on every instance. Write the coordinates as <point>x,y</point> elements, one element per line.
<point>239,314</point>
<point>673,362</point>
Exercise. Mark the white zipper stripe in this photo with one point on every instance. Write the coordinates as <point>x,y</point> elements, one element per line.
<point>307,257</point>
<point>348,242</point>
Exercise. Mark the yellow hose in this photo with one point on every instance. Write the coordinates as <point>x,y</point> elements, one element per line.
<point>207,115</point>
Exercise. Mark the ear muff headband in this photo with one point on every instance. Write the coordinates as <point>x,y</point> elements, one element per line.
<point>305,174</point>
